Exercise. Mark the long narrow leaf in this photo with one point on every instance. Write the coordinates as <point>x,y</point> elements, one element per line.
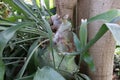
<point>83,33</point>
<point>50,36</point>
<point>85,76</point>
<point>6,23</point>
<point>106,16</point>
<point>83,37</point>
<point>31,52</point>
<point>77,42</point>
<point>110,16</point>
<point>14,6</point>
<point>89,60</point>
<point>2,70</point>
<point>6,35</point>
<point>25,8</point>
<point>27,78</point>
<point>100,33</point>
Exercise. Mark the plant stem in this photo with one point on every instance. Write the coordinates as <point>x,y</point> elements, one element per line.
<point>61,61</point>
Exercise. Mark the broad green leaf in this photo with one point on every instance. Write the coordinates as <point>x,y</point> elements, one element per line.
<point>89,60</point>
<point>115,30</point>
<point>2,70</point>
<point>83,33</point>
<point>47,73</point>
<point>106,16</point>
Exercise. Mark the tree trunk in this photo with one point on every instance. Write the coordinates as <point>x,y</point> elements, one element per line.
<point>103,50</point>
<point>116,4</point>
<point>65,7</point>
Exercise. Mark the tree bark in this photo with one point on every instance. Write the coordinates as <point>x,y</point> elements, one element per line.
<point>116,4</point>
<point>103,50</point>
<point>65,7</point>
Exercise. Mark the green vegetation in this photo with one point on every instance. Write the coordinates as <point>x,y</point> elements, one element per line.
<point>27,51</point>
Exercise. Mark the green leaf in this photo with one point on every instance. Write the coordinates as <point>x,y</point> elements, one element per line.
<point>2,70</point>
<point>89,60</point>
<point>99,34</point>
<point>26,9</point>
<point>26,78</point>
<point>80,76</point>
<point>106,16</point>
<point>115,30</point>
<point>117,51</point>
<point>110,16</point>
<point>84,76</point>
<point>47,73</point>
<point>3,28</point>
<point>37,2</point>
<point>6,23</point>
<point>13,5</point>
<point>77,42</point>
<point>6,35</point>
<point>34,31</point>
<point>83,37</point>
<point>50,36</point>
<point>83,33</point>
<point>15,18</point>
<point>35,59</point>
<point>47,2</point>
<point>31,52</point>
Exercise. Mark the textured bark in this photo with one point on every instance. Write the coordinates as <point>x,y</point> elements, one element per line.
<point>103,50</point>
<point>82,12</point>
<point>65,7</point>
<point>116,4</point>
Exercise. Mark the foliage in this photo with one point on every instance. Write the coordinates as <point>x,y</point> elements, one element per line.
<point>26,36</point>
<point>47,73</point>
<point>116,69</point>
